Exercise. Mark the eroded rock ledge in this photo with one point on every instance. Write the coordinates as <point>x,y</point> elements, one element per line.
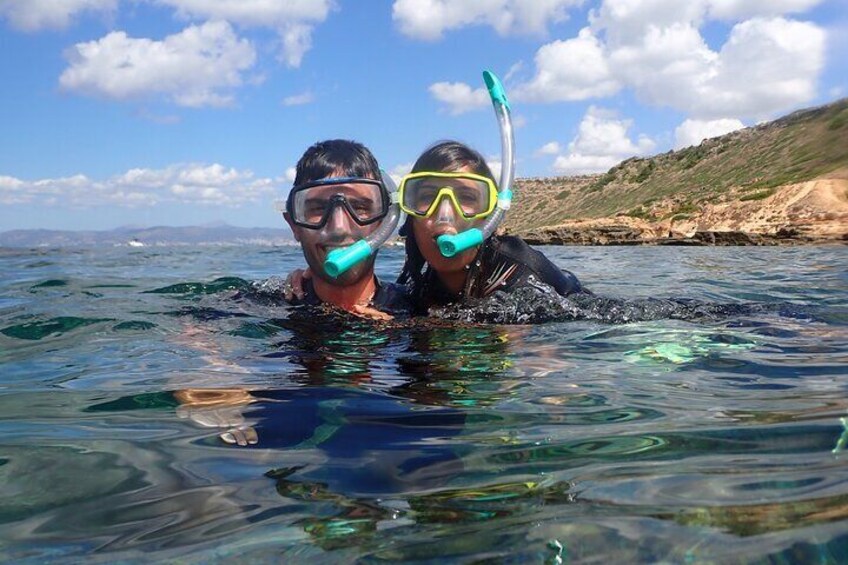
<point>814,212</point>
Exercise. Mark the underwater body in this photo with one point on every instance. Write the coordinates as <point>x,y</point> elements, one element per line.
<point>693,411</point>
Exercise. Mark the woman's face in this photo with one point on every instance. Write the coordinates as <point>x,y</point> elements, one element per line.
<point>445,220</point>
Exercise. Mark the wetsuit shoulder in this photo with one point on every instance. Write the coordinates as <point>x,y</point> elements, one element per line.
<point>516,250</point>
<point>392,298</point>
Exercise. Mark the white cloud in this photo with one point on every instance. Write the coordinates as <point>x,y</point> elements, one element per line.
<point>518,121</point>
<point>601,143</point>
<point>495,165</point>
<point>429,19</point>
<point>654,47</point>
<point>293,20</point>
<point>211,185</point>
<point>551,148</point>
<point>736,9</point>
<point>298,99</point>
<point>398,171</point>
<point>575,69</point>
<point>693,132</point>
<point>625,22</point>
<point>33,15</point>
<point>667,67</point>
<point>8,183</point>
<point>767,65</point>
<point>459,97</point>
<point>196,67</point>
<point>290,175</point>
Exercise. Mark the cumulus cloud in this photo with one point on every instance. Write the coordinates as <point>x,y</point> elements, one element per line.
<point>298,99</point>
<point>736,9</point>
<point>33,15</point>
<point>495,165</point>
<point>196,67</point>
<point>398,171</point>
<point>693,132</point>
<point>210,185</point>
<point>766,65</point>
<point>293,20</point>
<point>459,97</point>
<point>575,69</point>
<point>551,148</point>
<point>429,19</point>
<point>601,143</point>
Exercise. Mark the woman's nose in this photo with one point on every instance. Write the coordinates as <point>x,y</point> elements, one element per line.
<point>445,211</point>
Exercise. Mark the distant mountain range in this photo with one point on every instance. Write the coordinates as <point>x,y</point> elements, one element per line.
<point>215,234</point>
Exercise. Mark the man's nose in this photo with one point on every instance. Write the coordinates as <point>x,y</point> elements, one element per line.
<point>340,220</point>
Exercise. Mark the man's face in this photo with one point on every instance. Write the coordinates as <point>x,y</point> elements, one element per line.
<point>339,231</point>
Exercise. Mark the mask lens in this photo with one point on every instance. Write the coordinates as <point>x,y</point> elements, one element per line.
<point>364,202</point>
<point>471,196</point>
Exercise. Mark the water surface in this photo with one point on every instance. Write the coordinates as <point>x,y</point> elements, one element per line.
<point>716,439</point>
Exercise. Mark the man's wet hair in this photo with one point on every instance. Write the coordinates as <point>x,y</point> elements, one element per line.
<point>334,157</point>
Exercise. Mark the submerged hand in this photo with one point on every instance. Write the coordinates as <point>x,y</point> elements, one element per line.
<point>244,435</point>
<point>219,408</point>
<point>370,312</point>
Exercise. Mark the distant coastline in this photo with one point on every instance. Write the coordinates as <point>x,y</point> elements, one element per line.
<point>219,234</point>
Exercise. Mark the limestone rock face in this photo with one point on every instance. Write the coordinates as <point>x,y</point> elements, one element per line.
<point>809,212</point>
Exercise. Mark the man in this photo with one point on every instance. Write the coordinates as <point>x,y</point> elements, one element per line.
<point>338,198</point>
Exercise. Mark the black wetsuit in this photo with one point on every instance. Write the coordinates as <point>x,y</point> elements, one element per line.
<point>502,263</point>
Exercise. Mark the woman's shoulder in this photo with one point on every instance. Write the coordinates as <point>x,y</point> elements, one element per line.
<point>519,251</point>
<point>513,247</point>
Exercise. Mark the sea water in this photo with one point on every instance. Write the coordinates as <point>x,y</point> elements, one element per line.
<point>130,376</point>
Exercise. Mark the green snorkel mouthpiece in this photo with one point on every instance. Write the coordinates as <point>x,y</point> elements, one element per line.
<point>450,245</point>
<point>340,260</point>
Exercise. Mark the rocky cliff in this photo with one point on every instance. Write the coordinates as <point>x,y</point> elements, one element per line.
<point>784,182</point>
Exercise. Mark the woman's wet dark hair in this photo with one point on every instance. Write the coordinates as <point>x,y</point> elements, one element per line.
<point>449,156</point>
<point>445,156</point>
<point>325,158</point>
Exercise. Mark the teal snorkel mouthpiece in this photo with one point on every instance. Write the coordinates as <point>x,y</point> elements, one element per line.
<point>340,260</point>
<point>450,245</point>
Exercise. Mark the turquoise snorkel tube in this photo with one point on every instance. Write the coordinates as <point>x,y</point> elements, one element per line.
<point>340,260</point>
<point>450,245</point>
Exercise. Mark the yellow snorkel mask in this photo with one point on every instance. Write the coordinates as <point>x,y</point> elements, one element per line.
<point>473,196</point>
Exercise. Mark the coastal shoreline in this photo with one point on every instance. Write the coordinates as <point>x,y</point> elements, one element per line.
<point>698,239</point>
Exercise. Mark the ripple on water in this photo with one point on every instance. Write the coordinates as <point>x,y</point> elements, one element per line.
<point>661,420</point>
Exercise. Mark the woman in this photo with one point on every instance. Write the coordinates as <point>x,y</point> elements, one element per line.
<point>450,190</point>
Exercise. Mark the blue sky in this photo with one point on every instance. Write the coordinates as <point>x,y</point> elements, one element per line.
<point>184,112</point>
